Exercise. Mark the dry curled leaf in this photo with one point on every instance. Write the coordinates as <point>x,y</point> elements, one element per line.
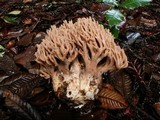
<point>22,108</point>
<point>111,99</point>
<point>122,82</point>
<point>21,84</point>
<point>42,97</point>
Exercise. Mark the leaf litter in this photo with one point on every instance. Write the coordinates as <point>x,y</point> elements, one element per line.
<point>131,93</point>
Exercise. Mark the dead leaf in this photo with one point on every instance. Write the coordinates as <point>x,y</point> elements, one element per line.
<point>148,22</point>
<point>21,84</point>
<point>8,65</point>
<point>25,58</point>
<point>22,32</point>
<point>27,1</point>
<point>157,107</point>
<point>26,39</point>
<point>122,82</point>
<point>39,37</point>
<point>42,97</point>
<point>27,21</point>
<point>22,108</point>
<point>15,12</point>
<point>10,44</point>
<point>111,99</point>
<point>99,7</point>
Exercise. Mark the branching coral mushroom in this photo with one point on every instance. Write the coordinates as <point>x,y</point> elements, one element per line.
<point>75,55</point>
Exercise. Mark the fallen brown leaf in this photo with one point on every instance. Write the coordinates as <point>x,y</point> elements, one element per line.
<point>148,22</point>
<point>8,65</point>
<point>122,82</point>
<point>27,1</point>
<point>26,39</point>
<point>157,107</point>
<point>26,57</point>
<point>111,99</point>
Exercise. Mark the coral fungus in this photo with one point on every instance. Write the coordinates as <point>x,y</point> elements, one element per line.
<point>75,55</point>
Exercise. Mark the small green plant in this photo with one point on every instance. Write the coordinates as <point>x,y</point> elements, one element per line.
<point>11,17</point>
<point>1,51</point>
<point>115,16</point>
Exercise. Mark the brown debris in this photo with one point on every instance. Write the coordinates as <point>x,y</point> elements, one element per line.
<point>27,1</point>
<point>26,39</point>
<point>157,107</point>
<point>25,58</point>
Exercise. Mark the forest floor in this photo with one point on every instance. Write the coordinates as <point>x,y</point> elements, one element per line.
<point>25,95</point>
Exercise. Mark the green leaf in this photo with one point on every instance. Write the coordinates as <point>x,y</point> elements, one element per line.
<point>115,31</point>
<point>114,17</point>
<point>1,51</point>
<point>9,19</point>
<point>1,47</point>
<point>131,4</point>
<point>14,12</point>
<point>111,2</point>
<point>99,0</point>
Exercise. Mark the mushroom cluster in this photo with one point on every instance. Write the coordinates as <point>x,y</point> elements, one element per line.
<point>75,55</point>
